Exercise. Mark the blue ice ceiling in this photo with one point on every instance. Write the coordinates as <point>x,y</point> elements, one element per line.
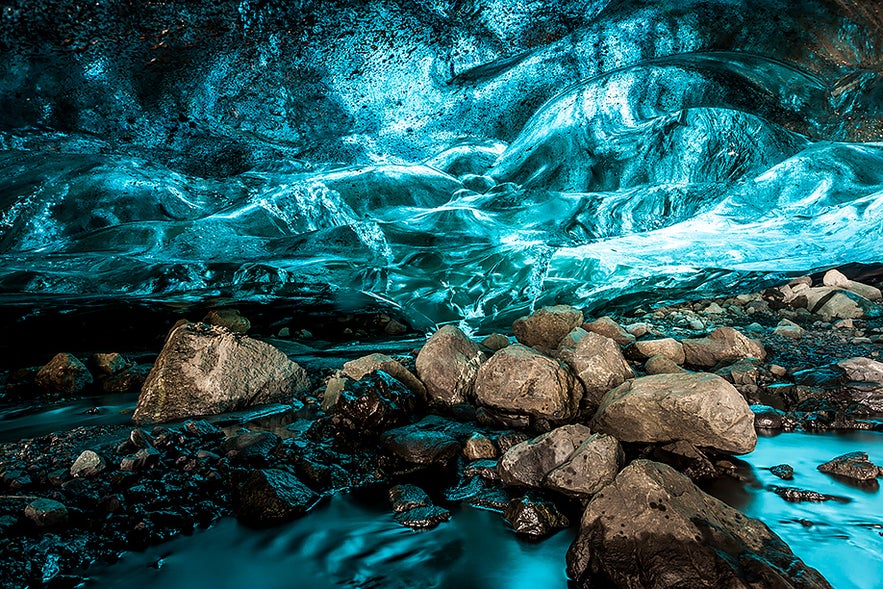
<point>462,159</point>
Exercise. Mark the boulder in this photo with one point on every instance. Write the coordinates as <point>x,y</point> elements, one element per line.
<point>108,364</point>
<point>229,318</point>
<point>206,370</point>
<point>519,380</point>
<point>528,463</point>
<point>854,465</point>
<point>375,403</point>
<point>87,464</point>
<point>447,365</point>
<point>789,329</point>
<point>478,447</point>
<point>833,303</point>
<point>407,497</point>
<point>589,469</point>
<point>654,528</point>
<point>495,342</point>
<point>63,374</point>
<point>724,343</point>
<point>609,328</point>
<point>837,279</point>
<point>422,443</point>
<point>668,347</point>
<point>269,497</point>
<point>546,327</point>
<point>783,471</point>
<point>862,369</point>
<point>534,518</point>
<point>47,513</point>
<point>356,369</point>
<point>599,365</point>
<point>703,409</point>
<point>660,364</point>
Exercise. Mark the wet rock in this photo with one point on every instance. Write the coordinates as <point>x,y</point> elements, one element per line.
<point>519,380</point>
<point>486,469</point>
<point>837,279</point>
<point>394,327</point>
<point>47,513</point>
<point>660,364</point>
<point>546,327</point>
<point>495,342</point>
<point>357,369</point>
<point>87,464</point>
<point>687,459</point>
<point>270,497</point>
<point>253,448</point>
<point>447,364</point>
<point>528,462</point>
<point>479,447</point>
<point>609,328</point>
<point>376,402</point>
<point>534,518</point>
<point>639,329</point>
<point>423,518</point>
<point>141,460</point>
<point>203,429</point>
<point>668,347</point>
<point>589,469</point>
<point>129,380</point>
<point>407,497</point>
<point>599,365</point>
<point>108,364</point>
<point>228,318</point>
<point>783,471</point>
<point>724,343</point>
<point>789,329</point>
<point>421,443</point>
<point>63,374</point>
<point>741,372</point>
<point>653,527</point>
<point>796,495</point>
<point>702,409</point>
<point>206,370</point>
<point>854,465</point>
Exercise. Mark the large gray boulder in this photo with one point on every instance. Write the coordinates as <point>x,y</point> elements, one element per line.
<point>599,365</point>
<point>545,328</point>
<point>205,370</point>
<point>447,365</point>
<point>529,462</point>
<point>700,408</point>
<point>518,380</point>
<point>653,528</point>
<point>723,343</point>
<point>837,279</point>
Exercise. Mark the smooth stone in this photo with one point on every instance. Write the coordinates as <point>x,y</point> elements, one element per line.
<point>419,444</point>
<point>479,447</point>
<point>534,518</point>
<point>495,342</point>
<point>229,318</point>
<point>854,465</point>
<point>599,365</point>
<point>590,468</point>
<point>528,462</point>
<point>789,329</point>
<point>660,364</point>
<point>356,369</point>
<point>668,347</point>
<point>47,513</point>
<point>447,364</point>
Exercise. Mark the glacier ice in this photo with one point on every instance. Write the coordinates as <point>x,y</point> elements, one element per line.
<point>462,160</point>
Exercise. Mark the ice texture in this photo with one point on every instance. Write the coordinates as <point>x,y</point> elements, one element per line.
<point>466,161</point>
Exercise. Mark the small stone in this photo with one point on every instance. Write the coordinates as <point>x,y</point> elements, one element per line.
<point>109,364</point>
<point>789,329</point>
<point>229,318</point>
<point>88,464</point>
<point>638,330</point>
<point>479,447</point>
<point>797,495</point>
<point>668,347</point>
<point>47,513</point>
<point>423,518</point>
<point>407,497</point>
<point>713,309</point>
<point>783,471</point>
<point>844,324</point>
<point>495,342</point>
<point>660,364</point>
<point>854,465</point>
<point>284,332</point>
<point>609,328</point>
<point>394,327</point>
<point>777,370</point>
<point>63,374</point>
<point>696,324</point>
<point>536,519</point>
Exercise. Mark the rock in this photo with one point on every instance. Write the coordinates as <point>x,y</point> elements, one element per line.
<point>741,372</point>
<point>47,513</point>
<point>796,495</point>
<point>375,403</point>
<point>229,318</point>
<point>589,469</point>
<point>130,379</point>
<point>609,328</point>
<point>766,417</point>
<point>599,365</point>
<point>660,364</point>
<point>528,463</point>
<point>777,370</point>
<point>854,465</point>
<point>654,528</point>
<point>447,365</point>
<point>394,327</point>
<point>479,447</point>
<point>108,364</point>
<point>831,303</point>
<point>495,342</point>
<point>203,429</point>
<point>253,448</point>
<point>270,497</point>
<point>639,329</point>
<point>519,380</point>
<point>862,369</point>
<point>206,370</point>
<point>423,518</point>
<point>836,279</point>
<point>546,327</point>
<point>783,471</point>
<point>668,347</point>
<point>687,459</point>
<point>407,497</point>
<point>713,309</point>
<point>844,324</point>
<point>142,459</point>
<point>702,409</point>
<point>87,464</point>
<point>724,343</point>
<point>533,518</point>
<point>421,443</point>
<point>356,369</point>
<point>333,388</point>
<point>63,374</point>
<point>789,329</point>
